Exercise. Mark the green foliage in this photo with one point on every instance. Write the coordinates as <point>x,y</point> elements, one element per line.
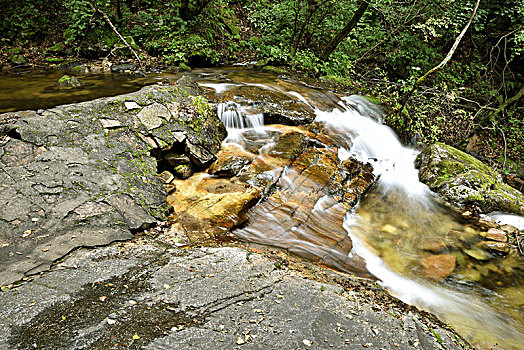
<point>392,45</point>
<point>79,13</point>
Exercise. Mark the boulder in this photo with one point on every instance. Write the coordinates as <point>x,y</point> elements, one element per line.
<point>69,81</point>
<point>464,180</point>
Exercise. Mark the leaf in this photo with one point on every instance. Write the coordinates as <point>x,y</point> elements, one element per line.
<point>136,337</point>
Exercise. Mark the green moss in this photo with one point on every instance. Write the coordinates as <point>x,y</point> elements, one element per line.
<point>57,48</point>
<point>54,60</point>
<point>184,67</point>
<point>467,159</point>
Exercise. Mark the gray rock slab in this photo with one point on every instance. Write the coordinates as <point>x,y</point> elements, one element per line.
<point>85,175</point>
<point>145,296</point>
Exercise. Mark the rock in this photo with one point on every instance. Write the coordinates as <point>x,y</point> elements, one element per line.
<point>131,105</point>
<point>508,228</point>
<point>438,267</point>
<point>85,174</point>
<point>58,48</point>
<point>496,235</point>
<point>123,68</point>
<point>174,160</point>
<point>69,81</point>
<point>515,181</point>
<point>241,293</point>
<point>230,163</point>
<point>207,206</point>
<point>313,178</point>
<point>389,229</point>
<point>80,69</point>
<point>110,123</point>
<point>486,222</point>
<point>464,180</point>
<point>151,116</point>
<point>434,246</point>
<point>166,177</point>
<point>499,247</point>
<point>277,107</point>
<point>476,254</point>
<point>183,171</point>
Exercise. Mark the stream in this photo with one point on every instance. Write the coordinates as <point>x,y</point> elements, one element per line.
<point>396,224</point>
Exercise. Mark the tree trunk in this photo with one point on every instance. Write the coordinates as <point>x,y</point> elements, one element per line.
<point>184,10</point>
<point>333,43</point>
<point>444,61</point>
<point>116,32</point>
<point>187,14</point>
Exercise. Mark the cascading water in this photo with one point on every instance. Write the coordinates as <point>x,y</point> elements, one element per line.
<point>399,223</point>
<point>420,213</point>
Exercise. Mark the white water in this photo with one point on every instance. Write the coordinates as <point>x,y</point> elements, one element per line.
<point>377,144</point>
<point>359,124</point>
<point>234,117</point>
<point>509,219</point>
<point>394,164</point>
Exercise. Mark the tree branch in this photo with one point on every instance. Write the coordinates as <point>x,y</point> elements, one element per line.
<point>117,33</point>
<point>444,61</point>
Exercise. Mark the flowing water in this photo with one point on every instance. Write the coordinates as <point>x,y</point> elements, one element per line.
<point>396,225</point>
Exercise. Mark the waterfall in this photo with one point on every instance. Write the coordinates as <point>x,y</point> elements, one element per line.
<point>233,117</point>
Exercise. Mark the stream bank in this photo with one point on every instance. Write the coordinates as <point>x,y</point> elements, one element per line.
<point>306,156</point>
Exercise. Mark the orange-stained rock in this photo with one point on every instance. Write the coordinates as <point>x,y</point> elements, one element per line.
<point>438,267</point>
<point>496,235</point>
<point>205,206</point>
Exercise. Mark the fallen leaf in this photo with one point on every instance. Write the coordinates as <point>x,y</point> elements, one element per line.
<point>102,298</point>
<point>136,337</point>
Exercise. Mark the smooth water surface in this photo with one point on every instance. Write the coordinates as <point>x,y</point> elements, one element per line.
<point>39,90</point>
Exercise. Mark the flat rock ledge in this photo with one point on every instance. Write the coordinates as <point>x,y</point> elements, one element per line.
<point>144,295</point>
<point>85,174</point>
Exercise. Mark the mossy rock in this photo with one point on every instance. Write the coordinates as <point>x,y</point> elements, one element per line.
<point>58,48</point>
<point>69,81</point>
<point>464,180</point>
<point>182,67</point>
<point>54,60</point>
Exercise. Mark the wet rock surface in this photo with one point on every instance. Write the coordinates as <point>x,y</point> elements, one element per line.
<point>83,175</point>
<point>144,295</point>
<point>288,172</point>
<point>464,180</point>
<point>277,107</point>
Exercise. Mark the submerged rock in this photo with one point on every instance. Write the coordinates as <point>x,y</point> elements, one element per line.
<point>464,180</point>
<point>438,267</point>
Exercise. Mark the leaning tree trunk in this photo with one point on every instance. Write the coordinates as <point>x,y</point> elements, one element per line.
<point>333,43</point>
<point>493,116</point>
<point>441,64</point>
